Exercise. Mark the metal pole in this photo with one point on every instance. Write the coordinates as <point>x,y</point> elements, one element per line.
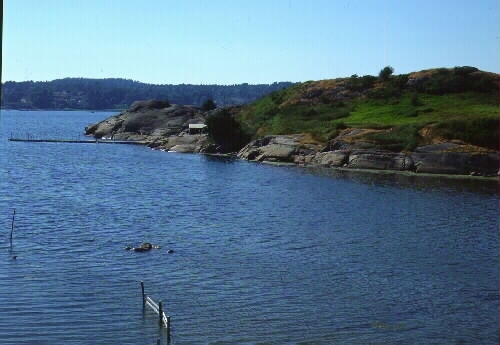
<point>143,296</point>
<point>168,329</point>
<point>12,227</point>
<point>160,313</point>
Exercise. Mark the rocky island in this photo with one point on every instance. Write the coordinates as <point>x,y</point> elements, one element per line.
<point>441,121</point>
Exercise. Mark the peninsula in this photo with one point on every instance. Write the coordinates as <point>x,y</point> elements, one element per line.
<point>437,121</point>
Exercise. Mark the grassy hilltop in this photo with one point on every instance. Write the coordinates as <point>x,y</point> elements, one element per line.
<point>399,111</point>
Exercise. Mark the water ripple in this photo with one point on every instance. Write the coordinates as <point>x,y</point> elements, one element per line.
<point>261,254</point>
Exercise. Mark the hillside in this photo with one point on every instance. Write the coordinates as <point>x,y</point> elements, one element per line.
<point>392,112</point>
<point>440,121</point>
<point>95,94</point>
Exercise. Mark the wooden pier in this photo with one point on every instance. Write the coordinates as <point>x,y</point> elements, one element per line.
<point>163,319</point>
<point>77,141</point>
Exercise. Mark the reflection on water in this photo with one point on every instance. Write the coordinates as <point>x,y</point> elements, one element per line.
<point>262,254</point>
<point>471,184</point>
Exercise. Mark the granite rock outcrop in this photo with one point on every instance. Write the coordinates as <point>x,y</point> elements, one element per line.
<point>442,158</point>
<point>157,123</point>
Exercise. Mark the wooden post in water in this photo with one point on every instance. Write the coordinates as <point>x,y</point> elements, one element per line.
<point>12,227</point>
<point>143,295</point>
<point>160,312</point>
<point>168,329</point>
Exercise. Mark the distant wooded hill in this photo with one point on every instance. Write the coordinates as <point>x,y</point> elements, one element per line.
<point>98,94</point>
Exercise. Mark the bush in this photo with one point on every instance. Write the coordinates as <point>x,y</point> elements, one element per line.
<point>385,73</point>
<point>415,100</point>
<point>484,83</point>
<point>224,130</point>
<point>209,104</point>
<point>480,132</point>
<point>464,70</point>
<point>399,81</point>
<point>401,138</point>
<point>340,125</point>
<point>457,80</point>
<point>356,83</point>
<point>386,92</point>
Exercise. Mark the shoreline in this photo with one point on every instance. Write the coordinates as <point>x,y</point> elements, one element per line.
<point>361,170</point>
<point>168,128</point>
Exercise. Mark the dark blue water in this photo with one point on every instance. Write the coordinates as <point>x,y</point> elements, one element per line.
<point>263,254</point>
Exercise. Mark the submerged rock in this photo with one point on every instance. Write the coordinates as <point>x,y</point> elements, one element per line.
<point>144,247</point>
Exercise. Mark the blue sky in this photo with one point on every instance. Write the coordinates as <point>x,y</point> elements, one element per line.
<point>238,41</point>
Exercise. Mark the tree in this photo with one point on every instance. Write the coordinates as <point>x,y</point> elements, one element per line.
<point>209,104</point>
<point>385,73</point>
<point>225,131</point>
<point>41,97</point>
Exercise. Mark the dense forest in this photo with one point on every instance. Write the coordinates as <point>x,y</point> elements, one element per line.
<point>98,94</point>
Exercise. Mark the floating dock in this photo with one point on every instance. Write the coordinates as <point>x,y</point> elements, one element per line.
<point>71,141</point>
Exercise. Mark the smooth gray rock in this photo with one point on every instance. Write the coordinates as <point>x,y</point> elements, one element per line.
<point>272,149</point>
<point>380,160</point>
<point>183,143</point>
<point>437,147</point>
<point>441,163</point>
<point>426,159</point>
<point>185,148</point>
<point>147,120</point>
<point>456,163</point>
<point>277,152</point>
<point>331,158</point>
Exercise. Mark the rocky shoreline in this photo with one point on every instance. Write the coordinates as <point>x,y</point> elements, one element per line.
<point>166,127</point>
<point>443,158</point>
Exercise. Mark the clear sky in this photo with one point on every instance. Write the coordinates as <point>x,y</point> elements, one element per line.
<point>238,41</point>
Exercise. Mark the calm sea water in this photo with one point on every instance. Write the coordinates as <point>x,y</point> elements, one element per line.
<point>263,254</point>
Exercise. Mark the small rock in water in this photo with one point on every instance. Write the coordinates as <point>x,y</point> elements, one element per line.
<point>144,247</point>
<point>170,251</point>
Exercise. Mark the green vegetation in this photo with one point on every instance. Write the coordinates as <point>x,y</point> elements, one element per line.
<point>224,130</point>
<point>475,131</point>
<point>458,103</point>
<point>209,104</point>
<point>413,107</point>
<point>458,79</point>
<point>273,114</point>
<point>385,73</point>
<point>400,138</point>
